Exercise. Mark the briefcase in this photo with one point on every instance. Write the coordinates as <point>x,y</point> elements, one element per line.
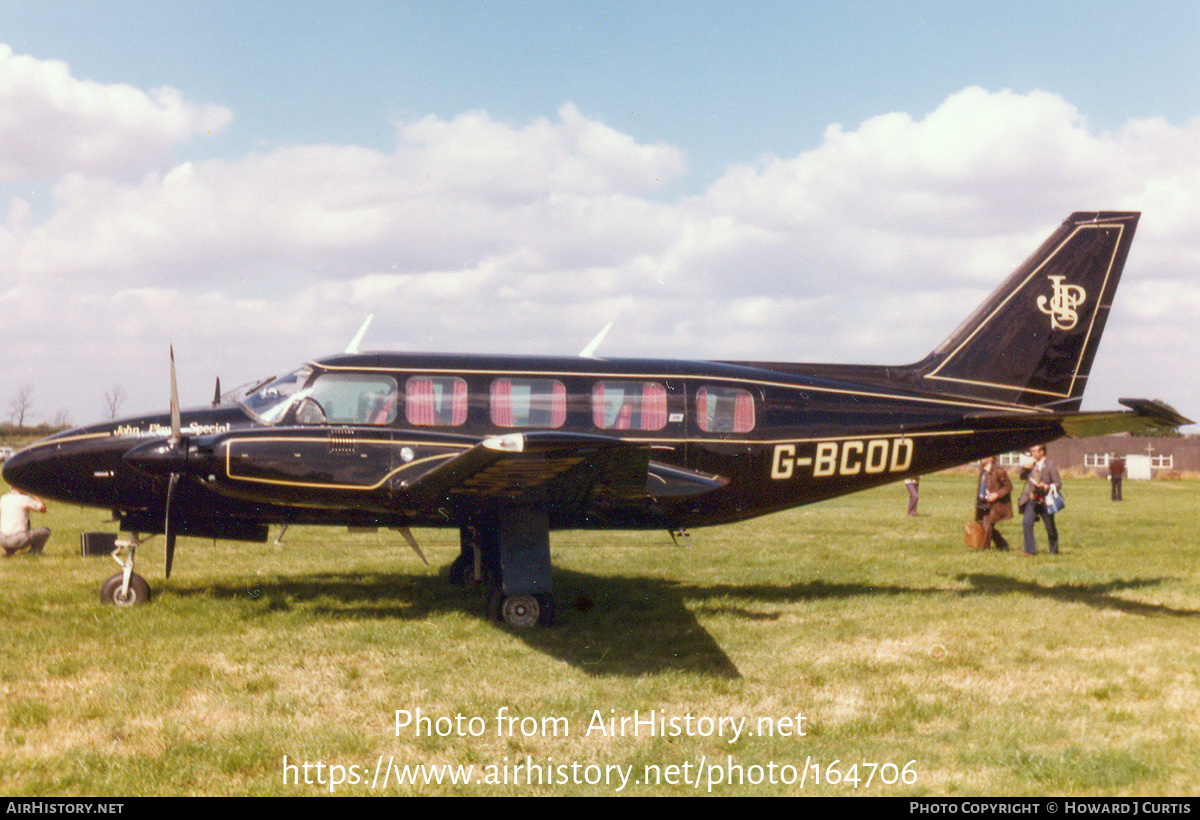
<point>973,536</point>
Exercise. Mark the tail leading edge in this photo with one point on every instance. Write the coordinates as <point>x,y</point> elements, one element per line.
<point>1033,340</point>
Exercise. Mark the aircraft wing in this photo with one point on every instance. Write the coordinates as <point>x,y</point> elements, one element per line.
<point>561,469</point>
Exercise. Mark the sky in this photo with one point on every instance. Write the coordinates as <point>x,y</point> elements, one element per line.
<point>752,180</point>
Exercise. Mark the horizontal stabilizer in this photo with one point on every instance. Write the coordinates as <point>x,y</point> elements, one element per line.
<point>1147,416</point>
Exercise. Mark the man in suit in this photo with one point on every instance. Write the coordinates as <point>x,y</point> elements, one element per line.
<point>1039,477</point>
<point>993,502</point>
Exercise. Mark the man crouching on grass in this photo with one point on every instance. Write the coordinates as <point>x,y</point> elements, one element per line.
<point>15,534</point>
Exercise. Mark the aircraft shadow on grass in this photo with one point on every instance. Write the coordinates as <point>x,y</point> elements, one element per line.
<point>618,626</point>
<point>631,626</point>
<point>1097,596</point>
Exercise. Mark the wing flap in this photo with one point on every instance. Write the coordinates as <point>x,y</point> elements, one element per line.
<point>563,469</point>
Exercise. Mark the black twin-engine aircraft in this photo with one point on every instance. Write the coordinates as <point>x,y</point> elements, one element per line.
<point>508,448</point>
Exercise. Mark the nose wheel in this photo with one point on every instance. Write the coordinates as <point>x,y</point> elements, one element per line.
<point>116,592</point>
<point>126,588</point>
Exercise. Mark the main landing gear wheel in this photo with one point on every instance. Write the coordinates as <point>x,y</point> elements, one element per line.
<point>520,610</point>
<point>139,590</point>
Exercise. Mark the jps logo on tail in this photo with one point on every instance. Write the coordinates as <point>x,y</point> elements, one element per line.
<point>852,457</point>
<point>1061,306</point>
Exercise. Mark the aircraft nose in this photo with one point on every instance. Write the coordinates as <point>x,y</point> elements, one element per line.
<point>62,472</point>
<point>21,471</point>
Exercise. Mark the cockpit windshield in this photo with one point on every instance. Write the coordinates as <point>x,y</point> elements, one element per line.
<point>330,398</point>
<point>270,402</point>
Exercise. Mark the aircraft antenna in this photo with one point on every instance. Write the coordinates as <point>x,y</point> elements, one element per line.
<point>358,337</point>
<point>589,352</point>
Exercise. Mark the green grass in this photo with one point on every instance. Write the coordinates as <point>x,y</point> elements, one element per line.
<point>994,674</point>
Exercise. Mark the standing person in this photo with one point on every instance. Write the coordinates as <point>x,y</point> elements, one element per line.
<point>993,501</point>
<point>914,493</point>
<point>15,534</point>
<point>1039,477</point>
<point>1116,472</point>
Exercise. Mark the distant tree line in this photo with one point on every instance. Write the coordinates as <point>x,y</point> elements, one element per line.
<point>9,430</point>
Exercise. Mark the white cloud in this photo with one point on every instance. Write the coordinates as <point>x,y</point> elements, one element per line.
<point>473,155</point>
<point>453,193</point>
<point>478,234</point>
<point>52,123</point>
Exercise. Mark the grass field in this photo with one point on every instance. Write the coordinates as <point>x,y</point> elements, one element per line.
<point>855,650</point>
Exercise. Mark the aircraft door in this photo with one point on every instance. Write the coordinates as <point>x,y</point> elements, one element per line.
<point>721,429</point>
<point>679,425</point>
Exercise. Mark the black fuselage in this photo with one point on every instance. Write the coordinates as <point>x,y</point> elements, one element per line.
<point>763,439</point>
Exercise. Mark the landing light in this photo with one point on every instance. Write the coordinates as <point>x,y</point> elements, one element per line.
<point>510,443</point>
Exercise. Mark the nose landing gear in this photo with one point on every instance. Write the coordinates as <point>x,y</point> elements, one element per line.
<point>126,588</point>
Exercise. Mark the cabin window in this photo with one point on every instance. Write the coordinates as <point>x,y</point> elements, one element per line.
<point>724,410</point>
<point>435,400</point>
<point>629,406</point>
<point>349,398</point>
<point>518,402</point>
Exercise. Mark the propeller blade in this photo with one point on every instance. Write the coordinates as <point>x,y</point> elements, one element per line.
<point>167,531</point>
<point>176,424</point>
<point>217,393</point>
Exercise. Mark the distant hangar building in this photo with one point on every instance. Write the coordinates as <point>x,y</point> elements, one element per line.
<point>1145,458</point>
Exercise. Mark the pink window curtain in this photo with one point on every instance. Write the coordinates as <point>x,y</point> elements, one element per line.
<point>654,407</point>
<point>743,413</point>
<point>459,409</point>
<point>502,411</point>
<point>598,406</point>
<point>558,410</point>
<point>418,407</point>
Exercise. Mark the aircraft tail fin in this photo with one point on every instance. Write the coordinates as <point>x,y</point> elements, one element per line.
<point>1033,340</point>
